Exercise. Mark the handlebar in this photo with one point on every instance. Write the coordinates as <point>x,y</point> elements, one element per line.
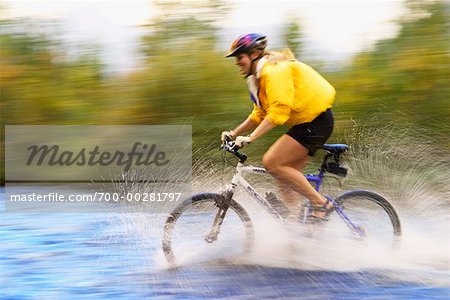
<point>230,146</point>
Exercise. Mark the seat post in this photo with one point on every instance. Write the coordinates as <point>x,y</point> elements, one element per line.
<point>323,167</point>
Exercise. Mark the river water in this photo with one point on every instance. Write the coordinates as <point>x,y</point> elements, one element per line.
<point>118,256</point>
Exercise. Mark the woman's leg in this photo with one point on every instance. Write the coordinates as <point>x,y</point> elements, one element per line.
<point>282,161</point>
<point>288,194</point>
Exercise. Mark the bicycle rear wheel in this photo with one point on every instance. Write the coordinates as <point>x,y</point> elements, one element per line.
<point>206,227</point>
<point>367,217</point>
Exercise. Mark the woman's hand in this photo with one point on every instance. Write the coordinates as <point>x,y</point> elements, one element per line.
<point>230,134</point>
<point>242,141</point>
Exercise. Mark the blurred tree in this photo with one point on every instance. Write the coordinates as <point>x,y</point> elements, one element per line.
<point>184,77</point>
<point>293,37</point>
<point>40,84</point>
<point>181,23</point>
<point>406,77</point>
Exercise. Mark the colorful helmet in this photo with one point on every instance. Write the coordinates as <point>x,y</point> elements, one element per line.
<point>247,43</point>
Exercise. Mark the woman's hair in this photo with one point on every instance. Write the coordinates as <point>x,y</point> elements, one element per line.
<point>282,55</point>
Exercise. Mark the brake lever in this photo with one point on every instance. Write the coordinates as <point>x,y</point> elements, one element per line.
<point>229,145</point>
<point>225,143</point>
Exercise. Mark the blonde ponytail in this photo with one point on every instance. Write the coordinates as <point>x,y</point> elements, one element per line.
<point>282,55</point>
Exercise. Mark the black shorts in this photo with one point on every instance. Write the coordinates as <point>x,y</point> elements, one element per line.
<point>314,134</point>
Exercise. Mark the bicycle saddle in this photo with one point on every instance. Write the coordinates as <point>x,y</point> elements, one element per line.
<point>335,148</point>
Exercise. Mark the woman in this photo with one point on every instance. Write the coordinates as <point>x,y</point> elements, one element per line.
<point>285,91</point>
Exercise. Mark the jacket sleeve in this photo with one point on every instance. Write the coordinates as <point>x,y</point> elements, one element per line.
<point>279,88</point>
<point>257,115</point>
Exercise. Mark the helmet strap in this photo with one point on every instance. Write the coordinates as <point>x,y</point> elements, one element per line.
<point>254,61</point>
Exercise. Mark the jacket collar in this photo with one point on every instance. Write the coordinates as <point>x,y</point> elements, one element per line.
<point>259,66</point>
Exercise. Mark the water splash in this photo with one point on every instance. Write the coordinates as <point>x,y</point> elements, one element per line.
<point>395,162</point>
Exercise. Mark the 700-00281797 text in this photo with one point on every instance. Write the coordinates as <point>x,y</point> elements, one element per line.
<point>97,197</point>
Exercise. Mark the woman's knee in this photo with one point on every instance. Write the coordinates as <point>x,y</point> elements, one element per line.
<point>270,163</point>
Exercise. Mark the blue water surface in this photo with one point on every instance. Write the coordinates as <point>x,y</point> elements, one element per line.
<point>88,256</point>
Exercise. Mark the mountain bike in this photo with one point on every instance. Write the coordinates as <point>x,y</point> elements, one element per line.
<point>215,225</point>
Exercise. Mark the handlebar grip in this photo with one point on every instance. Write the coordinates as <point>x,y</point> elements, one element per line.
<point>242,157</point>
<point>229,145</point>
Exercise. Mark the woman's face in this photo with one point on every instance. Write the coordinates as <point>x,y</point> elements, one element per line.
<point>243,61</point>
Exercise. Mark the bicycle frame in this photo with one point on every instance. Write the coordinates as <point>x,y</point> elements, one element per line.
<point>316,179</point>
<point>238,179</point>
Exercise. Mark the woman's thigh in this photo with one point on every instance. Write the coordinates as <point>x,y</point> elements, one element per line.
<point>286,151</point>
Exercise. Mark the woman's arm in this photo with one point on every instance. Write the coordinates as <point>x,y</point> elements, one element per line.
<point>245,126</point>
<point>262,129</point>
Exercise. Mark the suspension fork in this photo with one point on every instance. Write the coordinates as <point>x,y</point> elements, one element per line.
<point>215,227</point>
<point>223,205</point>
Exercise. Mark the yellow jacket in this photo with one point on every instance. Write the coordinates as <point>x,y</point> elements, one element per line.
<point>291,93</point>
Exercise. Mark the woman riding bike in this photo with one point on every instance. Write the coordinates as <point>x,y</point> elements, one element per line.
<point>285,91</point>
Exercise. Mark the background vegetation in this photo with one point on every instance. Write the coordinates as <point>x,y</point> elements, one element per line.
<point>185,79</point>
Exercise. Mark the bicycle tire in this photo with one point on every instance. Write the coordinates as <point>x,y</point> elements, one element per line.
<point>363,209</point>
<point>211,203</point>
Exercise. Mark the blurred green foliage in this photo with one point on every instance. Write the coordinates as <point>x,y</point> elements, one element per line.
<point>292,35</point>
<point>405,78</point>
<point>185,79</point>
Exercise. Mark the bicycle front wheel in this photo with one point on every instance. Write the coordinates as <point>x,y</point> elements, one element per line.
<point>368,217</point>
<point>206,227</point>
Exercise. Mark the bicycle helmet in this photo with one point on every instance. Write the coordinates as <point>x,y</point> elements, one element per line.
<point>247,43</point>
